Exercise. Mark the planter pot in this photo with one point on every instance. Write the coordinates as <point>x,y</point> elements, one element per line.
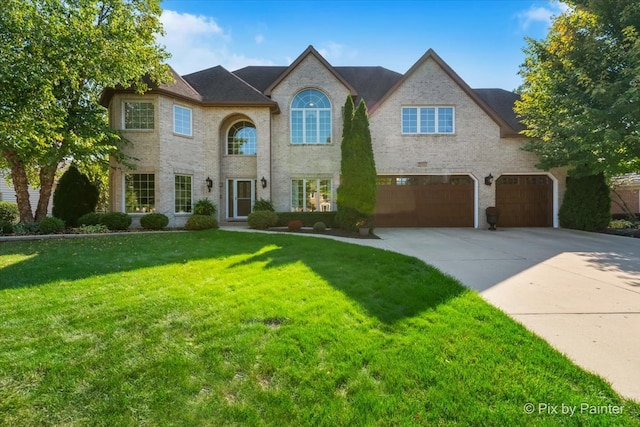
<point>492,220</point>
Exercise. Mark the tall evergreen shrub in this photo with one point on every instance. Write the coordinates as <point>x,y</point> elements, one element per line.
<point>75,196</point>
<point>587,203</point>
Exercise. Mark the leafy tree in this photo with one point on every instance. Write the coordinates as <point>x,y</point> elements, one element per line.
<point>357,191</point>
<point>587,203</point>
<point>75,196</point>
<point>56,57</point>
<point>581,94</point>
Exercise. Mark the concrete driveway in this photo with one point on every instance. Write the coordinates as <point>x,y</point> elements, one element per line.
<point>579,291</point>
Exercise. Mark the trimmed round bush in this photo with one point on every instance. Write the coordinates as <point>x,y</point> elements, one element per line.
<point>116,221</point>
<point>154,221</point>
<point>204,207</point>
<point>319,227</point>
<point>201,222</point>
<point>90,218</point>
<point>294,225</point>
<point>9,212</point>
<point>51,225</point>
<point>263,205</point>
<point>261,220</point>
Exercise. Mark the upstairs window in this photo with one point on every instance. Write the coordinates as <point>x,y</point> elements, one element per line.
<point>310,118</point>
<point>181,120</point>
<point>139,115</point>
<point>242,139</point>
<point>428,120</point>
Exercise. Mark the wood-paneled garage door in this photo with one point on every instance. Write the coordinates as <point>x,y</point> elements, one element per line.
<point>525,201</point>
<point>425,201</point>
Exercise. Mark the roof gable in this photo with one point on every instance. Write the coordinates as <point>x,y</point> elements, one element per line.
<point>310,51</point>
<point>505,128</point>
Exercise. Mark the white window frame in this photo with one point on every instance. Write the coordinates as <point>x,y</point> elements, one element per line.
<point>175,195</point>
<point>317,122</point>
<point>175,116</point>
<point>124,194</point>
<point>255,144</point>
<point>436,109</point>
<point>331,203</point>
<point>124,115</point>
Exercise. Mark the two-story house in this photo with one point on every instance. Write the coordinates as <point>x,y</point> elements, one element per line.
<point>444,152</point>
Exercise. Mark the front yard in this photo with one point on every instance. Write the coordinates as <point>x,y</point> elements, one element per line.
<point>215,328</point>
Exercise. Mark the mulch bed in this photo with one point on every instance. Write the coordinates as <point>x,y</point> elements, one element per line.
<point>329,231</point>
<point>629,232</point>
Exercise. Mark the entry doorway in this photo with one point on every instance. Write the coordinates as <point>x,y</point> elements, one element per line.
<point>241,195</point>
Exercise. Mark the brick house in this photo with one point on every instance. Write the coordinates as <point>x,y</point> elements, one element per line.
<point>443,151</point>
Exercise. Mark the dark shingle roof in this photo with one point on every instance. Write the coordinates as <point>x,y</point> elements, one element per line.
<point>502,101</point>
<point>370,82</point>
<point>260,77</point>
<point>218,86</point>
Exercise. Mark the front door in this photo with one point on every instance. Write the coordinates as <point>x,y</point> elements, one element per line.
<point>241,195</point>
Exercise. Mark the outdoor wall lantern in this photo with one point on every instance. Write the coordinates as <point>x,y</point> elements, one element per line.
<point>263,181</point>
<point>209,182</point>
<point>488,179</point>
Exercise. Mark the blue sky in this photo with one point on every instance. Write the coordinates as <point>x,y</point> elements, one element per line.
<point>481,40</point>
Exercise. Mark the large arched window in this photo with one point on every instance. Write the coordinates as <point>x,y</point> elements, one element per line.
<point>242,139</point>
<point>310,118</point>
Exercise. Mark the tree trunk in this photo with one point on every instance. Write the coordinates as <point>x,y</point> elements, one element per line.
<point>20,184</point>
<point>47,177</point>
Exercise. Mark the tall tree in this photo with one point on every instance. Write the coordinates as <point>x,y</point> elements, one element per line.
<point>357,191</point>
<point>56,57</point>
<point>581,89</point>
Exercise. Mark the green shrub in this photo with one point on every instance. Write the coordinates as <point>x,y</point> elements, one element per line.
<point>319,227</point>
<point>204,207</point>
<point>154,221</point>
<point>621,224</point>
<point>90,218</point>
<point>263,205</point>
<point>201,222</point>
<point>587,204</point>
<point>307,218</point>
<point>294,225</point>
<point>261,220</point>
<point>116,220</point>
<point>9,212</point>
<point>6,227</point>
<point>51,225</point>
<point>75,196</point>
<point>23,228</point>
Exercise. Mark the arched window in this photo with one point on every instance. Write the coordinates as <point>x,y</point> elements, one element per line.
<point>310,118</point>
<point>242,139</point>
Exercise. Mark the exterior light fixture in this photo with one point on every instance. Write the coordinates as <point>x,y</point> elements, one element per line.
<point>209,182</point>
<point>263,181</point>
<point>488,180</point>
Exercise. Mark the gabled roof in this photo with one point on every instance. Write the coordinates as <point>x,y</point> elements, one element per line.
<point>310,51</point>
<point>505,128</point>
<point>502,101</point>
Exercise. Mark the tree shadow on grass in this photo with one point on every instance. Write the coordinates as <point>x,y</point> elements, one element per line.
<point>387,285</point>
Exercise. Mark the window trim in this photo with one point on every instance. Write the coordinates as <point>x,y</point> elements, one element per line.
<point>175,196</point>
<point>318,119</point>
<point>436,109</point>
<point>190,110</point>
<point>124,193</point>
<point>332,202</point>
<point>227,138</point>
<point>124,115</point>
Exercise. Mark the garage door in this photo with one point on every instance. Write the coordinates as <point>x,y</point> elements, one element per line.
<point>424,201</point>
<point>525,201</point>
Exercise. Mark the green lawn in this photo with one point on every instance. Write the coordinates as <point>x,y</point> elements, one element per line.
<point>222,328</point>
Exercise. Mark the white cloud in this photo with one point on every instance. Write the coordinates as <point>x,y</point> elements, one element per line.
<point>197,42</point>
<point>259,39</point>
<point>332,51</point>
<point>541,15</point>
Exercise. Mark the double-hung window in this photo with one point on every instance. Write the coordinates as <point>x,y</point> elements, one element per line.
<point>310,118</point>
<point>139,115</point>
<point>140,193</point>
<point>428,120</point>
<point>181,120</point>
<point>183,194</point>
